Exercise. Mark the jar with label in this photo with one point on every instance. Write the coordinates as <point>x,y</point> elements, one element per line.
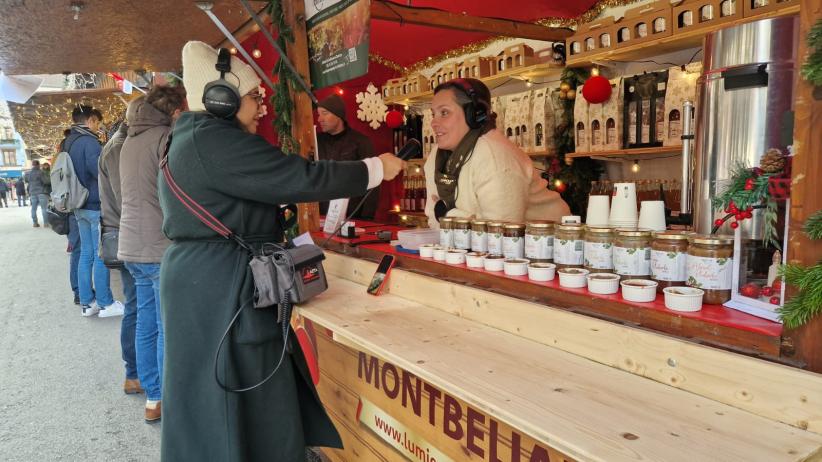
<point>669,251</point>
<point>599,249</point>
<point>632,253</point>
<point>710,266</point>
<point>539,241</point>
<point>568,245</point>
<point>479,236</point>
<point>447,232</point>
<point>495,237</point>
<point>513,240</point>
<point>462,233</point>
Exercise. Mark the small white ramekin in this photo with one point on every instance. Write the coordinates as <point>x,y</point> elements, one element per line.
<point>572,278</point>
<point>440,253</point>
<point>683,298</point>
<point>427,250</point>
<point>455,257</point>
<point>639,290</point>
<point>494,262</point>
<point>475,259</point>
<point>603,283</point>
<point>542,272</point>
<point>515,266</point>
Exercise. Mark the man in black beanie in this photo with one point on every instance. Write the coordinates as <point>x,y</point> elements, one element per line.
<point>338,141</point>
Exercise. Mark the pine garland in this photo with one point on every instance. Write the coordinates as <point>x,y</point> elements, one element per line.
<point>807,302</point>
<point>285,83</point>
<point>735,192</point>
<point>812,68</point>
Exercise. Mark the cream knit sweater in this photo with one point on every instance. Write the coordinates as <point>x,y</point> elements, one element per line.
<point>498,182</point>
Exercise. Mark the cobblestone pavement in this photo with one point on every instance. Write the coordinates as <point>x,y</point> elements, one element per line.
<point>61,374</point>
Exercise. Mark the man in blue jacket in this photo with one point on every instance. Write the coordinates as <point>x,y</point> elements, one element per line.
<point>92,275</point>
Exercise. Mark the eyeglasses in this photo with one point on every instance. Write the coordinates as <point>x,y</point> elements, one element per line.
<point>257,97</point>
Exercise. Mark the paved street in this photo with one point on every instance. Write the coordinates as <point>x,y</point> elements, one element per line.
<point>61,374</point>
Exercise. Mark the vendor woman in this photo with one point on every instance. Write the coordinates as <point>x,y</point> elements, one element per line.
<point>474,170</point>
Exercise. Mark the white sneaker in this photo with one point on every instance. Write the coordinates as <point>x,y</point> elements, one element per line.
<point>90,310</point>
<point>115,309</point>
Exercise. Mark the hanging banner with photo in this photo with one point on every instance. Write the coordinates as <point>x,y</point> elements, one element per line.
<point>338,35</point>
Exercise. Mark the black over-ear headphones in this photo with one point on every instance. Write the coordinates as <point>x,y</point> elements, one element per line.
<point>476,113</point>
<point>221,98</point>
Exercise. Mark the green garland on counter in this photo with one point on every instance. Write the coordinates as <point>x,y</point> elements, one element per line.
<point>806,303</point>
<point>812,68</point>
<point>285,83</point>
<point>576,176</point>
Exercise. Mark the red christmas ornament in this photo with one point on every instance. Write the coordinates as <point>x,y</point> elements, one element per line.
<point>751,290</point>
<point>767,291</point>
<point>734,225</point>
<point>777,285</point>
<point>394,119</point>
<point>774,300</point>
<point>597,89</point>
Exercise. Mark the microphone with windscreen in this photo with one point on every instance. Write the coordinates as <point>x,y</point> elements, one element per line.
<point>410,149</point>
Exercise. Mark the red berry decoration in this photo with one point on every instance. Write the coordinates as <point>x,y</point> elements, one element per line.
<point>734,225</point>
<point>749,184</point>
<point>749,208</point>
<point>747,214</point>
<point>751,290</point>
<point>774,300</point>
<point>757,171</point>
<point>767,291</point>
<point>719,222</point>
<point>739,216</point>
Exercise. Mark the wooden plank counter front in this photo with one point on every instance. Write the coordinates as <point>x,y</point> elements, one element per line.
<point>433,371</point>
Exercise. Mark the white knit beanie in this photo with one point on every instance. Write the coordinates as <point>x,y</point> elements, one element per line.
<point>199,59</point>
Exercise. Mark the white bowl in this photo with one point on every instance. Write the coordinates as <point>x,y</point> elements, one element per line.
<point>639,290</point>
<point>475,259</point>
<point>440,253</point>
<point>455,257</point>
<point>603,283</point>
<point>683,298</point>
<point>573,278</point>
<point>516,266</point>
<point>542,271</point>
<point>494,262</point>
<point>427,250</point>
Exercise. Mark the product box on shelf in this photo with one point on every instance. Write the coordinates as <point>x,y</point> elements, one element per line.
<point>643,24</point>
<point>476,67</point>
<point>593,37</point>
<point>757,7</point>
<point>597,127</point>
<point>542,124</point>
<point>643,113</point>
<point>582,139</point>
<point>689,15</point>
<point>415,84</point>
<point>518,118</point>
<point>514,56</point>
<point>612,114</point>
<point>681,88</point>
<point>392,88</point>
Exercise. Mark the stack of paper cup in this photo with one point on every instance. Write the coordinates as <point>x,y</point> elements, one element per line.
<point>623,206</point>
<point>598,210</point>
<point>652,215</point>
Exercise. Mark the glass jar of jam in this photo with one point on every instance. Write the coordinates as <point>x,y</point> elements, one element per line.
<point>479,236</point>
<point>447,232</point>
<point>632,253</point>
<point>462,233</point>
<point>539,241</point>
<point>599,249</point>
<point>710,266</point>
<point>569,245</point>
<point>495,237</point>
<point>669,252</point>
<point>513,240</point>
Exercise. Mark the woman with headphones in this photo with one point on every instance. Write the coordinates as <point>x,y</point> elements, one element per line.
<point>474,170</point>
<point>216,167</point>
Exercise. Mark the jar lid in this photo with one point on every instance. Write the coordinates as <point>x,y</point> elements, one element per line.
<point>599,229</point>
<point>541,224</point>
<point>462,221</point>
<point>633,232</point>
<point>710,239</point>
<point>479,222</point>
<point>514,226</point>
<point>671,235</point>
<point>496,223</point>
<point>570,227</point>
<point>446,220</point>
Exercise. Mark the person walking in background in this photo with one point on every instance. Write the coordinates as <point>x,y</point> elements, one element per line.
<point>74,248</point>
<point>110,209</point>
<point>20,187</point>
<point>93,276</point>
<point>37,193</point>
<point>4,191</point>
<point>46,170</point>
<point>142,242</point>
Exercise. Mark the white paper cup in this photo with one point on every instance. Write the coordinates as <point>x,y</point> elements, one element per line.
<point>603,283</point>
<point>639,290</point>
<point>573,278</point>
<point>599,210</point>
<point>683,298</point>
<point>494,263</point>
<point>427,250</point>
<point>515,266</point>
<point>475,259</point>
<point>623,204</point>
<point>542,272</point>
<point>439,254</point>
<point>455,256</point>
<point>652,215</point>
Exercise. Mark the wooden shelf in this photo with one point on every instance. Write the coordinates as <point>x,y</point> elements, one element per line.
<point>528,72</point>
<point>629,153</point>
<point>678,42</point>
<point>539,154</point>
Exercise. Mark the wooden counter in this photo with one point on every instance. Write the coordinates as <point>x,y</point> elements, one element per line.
<point>510,380</point>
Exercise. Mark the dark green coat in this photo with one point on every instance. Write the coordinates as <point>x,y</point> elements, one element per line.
<point>239,178</point>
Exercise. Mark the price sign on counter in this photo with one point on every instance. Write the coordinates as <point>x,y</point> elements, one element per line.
<point>335,216</point>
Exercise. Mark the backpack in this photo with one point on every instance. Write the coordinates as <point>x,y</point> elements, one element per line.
<point>67,193</point>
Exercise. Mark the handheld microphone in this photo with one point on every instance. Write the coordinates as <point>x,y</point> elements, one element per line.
<point>410,149</point>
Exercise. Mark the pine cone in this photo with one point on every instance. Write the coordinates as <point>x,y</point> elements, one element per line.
<point>772,162</point>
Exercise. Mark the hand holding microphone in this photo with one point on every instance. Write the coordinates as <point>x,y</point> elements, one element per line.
<point>392,165</point>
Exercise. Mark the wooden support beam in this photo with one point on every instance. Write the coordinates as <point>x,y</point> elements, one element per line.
<point>389,11</point>
<point>303,118</point>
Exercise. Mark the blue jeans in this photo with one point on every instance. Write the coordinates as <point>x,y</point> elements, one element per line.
<point>149,339</point>
<point>129,324</point>
<point>21,200</point>
<point>91,265</point>
<point>74,242</point>
<point>43,201</point>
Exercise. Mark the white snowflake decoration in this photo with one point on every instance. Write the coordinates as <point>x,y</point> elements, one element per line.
<point>372,108</point>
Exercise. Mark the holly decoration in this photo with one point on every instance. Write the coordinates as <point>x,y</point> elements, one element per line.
<point>807,301</point>
<point>812,68</point>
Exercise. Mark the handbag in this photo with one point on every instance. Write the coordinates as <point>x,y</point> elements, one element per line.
<point>109,243</point>
<point>58,221</point>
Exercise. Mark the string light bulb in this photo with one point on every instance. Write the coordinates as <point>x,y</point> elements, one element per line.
<point>340,91</point>
<point>233,51</point>
<point>257,53</point>
<point>528,83</point>
<point>594,71</point>
<point>635,167</point>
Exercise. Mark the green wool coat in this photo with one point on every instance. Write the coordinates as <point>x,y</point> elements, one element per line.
<point>204,279</point>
